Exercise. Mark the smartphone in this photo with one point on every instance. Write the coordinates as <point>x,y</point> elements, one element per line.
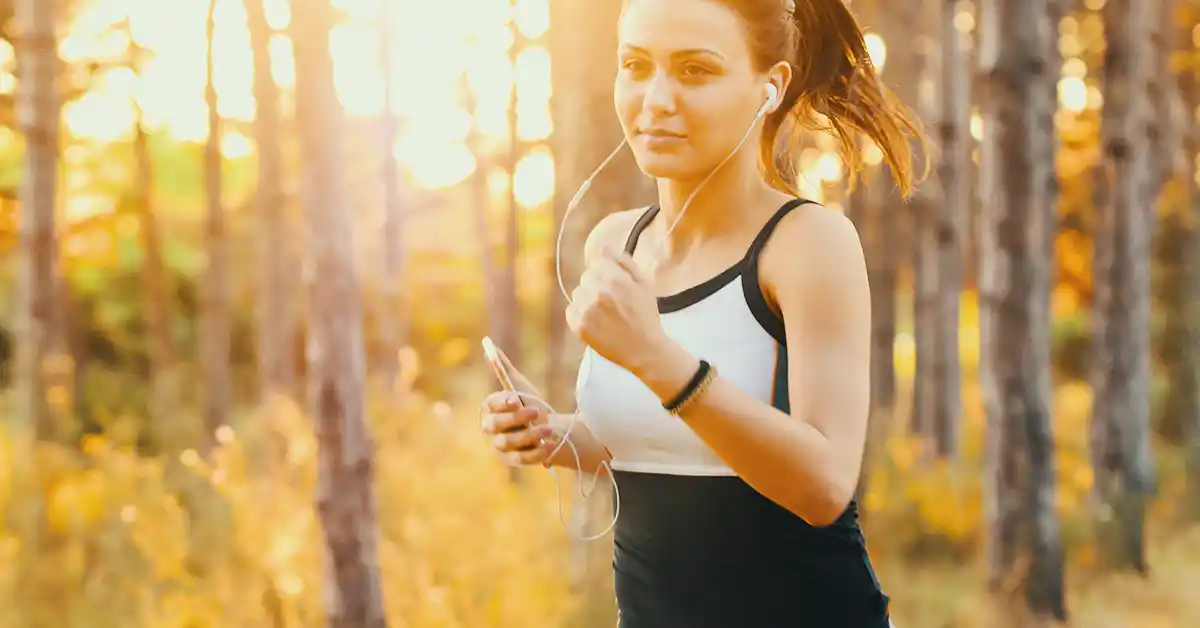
<point>493,358</point>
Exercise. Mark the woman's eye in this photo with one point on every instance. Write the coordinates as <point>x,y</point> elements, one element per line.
<point>695,71</point>
<point>636,66</point>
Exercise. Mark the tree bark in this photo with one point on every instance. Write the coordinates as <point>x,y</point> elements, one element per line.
<point>871,206</point>
<point>988,249</point>
<point>880,210</point>
<point>37,110</point>
<point>1187,383</point>
<point>1120,446</point>
<point>1025,554</point>
<point>918,19</point>
<point>42,408</point>
<point>346,500</point>
<point>508,305</point>
<point>214,307</point>
<point>481,202</point>
<point>954,134</point>
<point>394,323</point>
<point>156,284</point>
<point>276,315</point>
<point>901,73</point>
<point>1171,127</point>
<point>876,222</point>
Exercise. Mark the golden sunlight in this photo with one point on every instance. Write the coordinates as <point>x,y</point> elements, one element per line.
<point>235,145</point>
<point>533,182</point>
<point>1072,94</point>
<point>457,44</point>
<point>877,50</point>
<point>829,167</point>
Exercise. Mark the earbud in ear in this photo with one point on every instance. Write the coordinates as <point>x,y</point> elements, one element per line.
<point>772,94</point>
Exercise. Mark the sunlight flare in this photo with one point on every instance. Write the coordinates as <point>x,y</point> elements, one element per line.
<point>456,43</point>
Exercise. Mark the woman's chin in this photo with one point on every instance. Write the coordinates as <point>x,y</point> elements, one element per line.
<point>665,166</point>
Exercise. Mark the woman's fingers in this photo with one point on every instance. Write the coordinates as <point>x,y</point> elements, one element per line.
<point>536,455</point>
<point>501,401</point>
<point>521,435</point>
<point>501,422</point>
<point>521,440</point>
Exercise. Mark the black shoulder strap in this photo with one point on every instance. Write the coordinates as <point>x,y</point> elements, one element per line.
<point>642,222</point>
<point>760,241</point>
<point>757,302</point>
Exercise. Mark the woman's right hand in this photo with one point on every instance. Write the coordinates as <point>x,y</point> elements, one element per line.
<point>520,434</point>
<point>519,429</point>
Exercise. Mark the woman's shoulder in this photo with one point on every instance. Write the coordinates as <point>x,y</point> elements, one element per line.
<point>612,230</point>
<point>813,249</point>
<point>814,233</point>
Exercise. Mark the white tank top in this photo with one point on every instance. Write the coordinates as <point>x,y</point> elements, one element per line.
<point>724,320</point>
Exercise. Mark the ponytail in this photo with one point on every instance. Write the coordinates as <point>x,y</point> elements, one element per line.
<point>836,89</point>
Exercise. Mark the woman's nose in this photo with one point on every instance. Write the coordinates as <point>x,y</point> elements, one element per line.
<point>661,96</point>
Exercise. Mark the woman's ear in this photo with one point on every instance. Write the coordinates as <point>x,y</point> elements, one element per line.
<point>780,75</point>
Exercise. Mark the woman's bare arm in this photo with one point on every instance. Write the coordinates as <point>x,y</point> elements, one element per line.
<point>808,461</point>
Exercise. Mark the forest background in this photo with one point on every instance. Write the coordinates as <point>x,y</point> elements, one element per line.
<point>250,247</point>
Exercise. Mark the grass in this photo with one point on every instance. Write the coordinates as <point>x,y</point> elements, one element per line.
<point>944,596</point>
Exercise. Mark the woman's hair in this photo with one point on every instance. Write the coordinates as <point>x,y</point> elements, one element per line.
<point>834,78</point>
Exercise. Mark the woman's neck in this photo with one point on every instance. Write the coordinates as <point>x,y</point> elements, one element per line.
<point>720,206</point>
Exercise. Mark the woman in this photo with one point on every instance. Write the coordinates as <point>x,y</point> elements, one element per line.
<point>736,482</point>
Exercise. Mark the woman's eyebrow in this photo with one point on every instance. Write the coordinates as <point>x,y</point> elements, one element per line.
<point>689,52</point>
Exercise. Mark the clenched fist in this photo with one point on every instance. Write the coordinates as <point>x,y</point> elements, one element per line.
<point>615,312</point>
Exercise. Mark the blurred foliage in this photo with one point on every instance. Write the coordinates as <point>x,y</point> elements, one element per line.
<point>138,537</point>
<point>167,541</point>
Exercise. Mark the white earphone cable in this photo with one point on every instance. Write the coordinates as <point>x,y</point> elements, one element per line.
<point>585,364</point>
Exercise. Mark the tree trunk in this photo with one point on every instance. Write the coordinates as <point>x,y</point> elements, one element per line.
<point>876,224</point>
<point>481,202</point>
<point>214,306</point>
<point>901,72</point>
<point>394,322</point>
<point>990,198</point>
<point>508,313</point>
<point>1171,126</point>
<point>872,209</point>
<point>1025,549</point>
<point>39,412</point>
<point>923,211</point>
<point>882,273</point>
<point>954,134</point>
<point>276,320</point>
<point>883,305</point>
<point>37,110</point>
<point>939,264</point>
<point>1121,310</point>
<point>346,500</point>
<point>156,301</point>
<point>1163,94</point>
<point>1188,379</point>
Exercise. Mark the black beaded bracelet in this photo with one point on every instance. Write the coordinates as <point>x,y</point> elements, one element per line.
<point>700,377</point>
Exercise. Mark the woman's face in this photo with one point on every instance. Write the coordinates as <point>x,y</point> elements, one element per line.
<point>686,88</point>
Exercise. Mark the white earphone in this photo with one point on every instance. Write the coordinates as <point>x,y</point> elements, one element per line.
<point>772,93</point>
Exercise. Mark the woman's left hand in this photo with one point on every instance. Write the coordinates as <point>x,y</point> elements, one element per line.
<point>615,312</point>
